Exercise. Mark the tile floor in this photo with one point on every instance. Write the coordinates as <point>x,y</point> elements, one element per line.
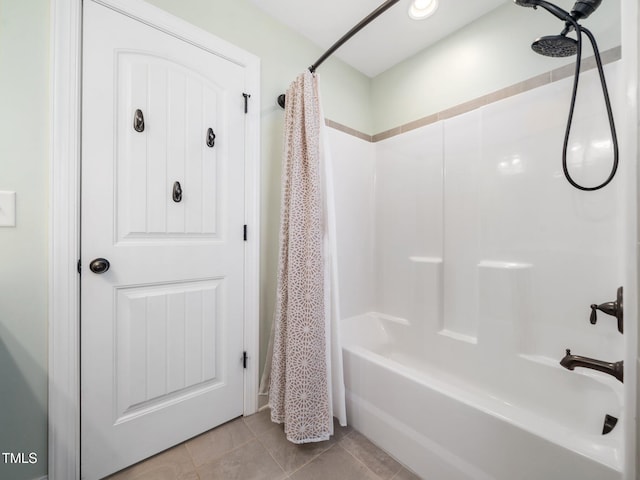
<point>254,448</point>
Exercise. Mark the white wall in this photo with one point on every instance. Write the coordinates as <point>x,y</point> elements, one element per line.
<point>486,55</point>
<point>24,136</point>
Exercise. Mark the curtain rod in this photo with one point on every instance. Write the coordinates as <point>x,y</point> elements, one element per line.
<point>363,23</point>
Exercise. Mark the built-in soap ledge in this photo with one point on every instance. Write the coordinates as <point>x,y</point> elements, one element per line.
<point>503,265</point>
<point>459,336</point>
<point>432,260</point>
<point>393,319</point>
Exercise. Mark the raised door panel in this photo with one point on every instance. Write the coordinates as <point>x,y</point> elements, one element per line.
<point>168,339</point>
<point>179,106</point>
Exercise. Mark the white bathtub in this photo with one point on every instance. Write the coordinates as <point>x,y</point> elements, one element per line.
<point>470,416</point>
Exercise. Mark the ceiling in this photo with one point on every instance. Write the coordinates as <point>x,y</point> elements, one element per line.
<point>387,40</point>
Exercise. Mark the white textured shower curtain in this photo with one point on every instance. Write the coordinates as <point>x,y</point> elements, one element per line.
<point>304,361</point>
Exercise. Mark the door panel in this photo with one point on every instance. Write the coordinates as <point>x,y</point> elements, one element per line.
<point>162,329</point>
<point>168,342</point>
<point>179,106</point>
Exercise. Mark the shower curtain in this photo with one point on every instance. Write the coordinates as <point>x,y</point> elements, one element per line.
<point>303,373</point>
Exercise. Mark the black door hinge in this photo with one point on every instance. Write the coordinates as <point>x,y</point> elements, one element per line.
<point>244,359</point>
<point>79,266</point>
<point>246,102</point>
<point>244,234</point>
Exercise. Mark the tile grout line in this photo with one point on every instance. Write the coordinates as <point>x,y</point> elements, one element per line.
<point>229,452</point>
<point>312,459</point>
<point>367,467</point>
<point>225,453</point>
<point>272,426</point>
<point>288,475</point>
<point>323,452</point>
<point>273,458</point>
<point>251,429</point>
<point>397,474</point>
<point>193,463</point>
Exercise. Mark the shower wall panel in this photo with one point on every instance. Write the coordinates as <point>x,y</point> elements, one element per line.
<point>353,169</point>
<point>480,198</point>
<point>462,169</point>
<point>408,222</point>
<point>529,214</point>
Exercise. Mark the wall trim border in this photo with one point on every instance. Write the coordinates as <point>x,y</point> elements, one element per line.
<point>551,76</point>
<point>64,214</point>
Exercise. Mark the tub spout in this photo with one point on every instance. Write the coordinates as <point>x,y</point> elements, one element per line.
<point>615,369</point>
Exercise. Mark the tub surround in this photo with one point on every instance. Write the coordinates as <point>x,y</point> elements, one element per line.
<point>483,263</point>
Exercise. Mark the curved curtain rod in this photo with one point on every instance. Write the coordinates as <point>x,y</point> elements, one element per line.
<point>363,23</point>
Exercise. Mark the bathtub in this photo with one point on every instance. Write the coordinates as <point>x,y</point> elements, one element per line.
<point>468,415</point>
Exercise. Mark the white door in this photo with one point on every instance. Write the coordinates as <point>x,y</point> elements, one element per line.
<point>163,203</point>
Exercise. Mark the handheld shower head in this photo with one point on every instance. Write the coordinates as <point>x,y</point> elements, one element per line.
<point>549,7</point>
<point>562,46</point>
<point>584,8</point>
<point>581,9</point>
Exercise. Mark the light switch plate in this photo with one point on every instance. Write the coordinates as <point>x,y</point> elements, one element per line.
<point>7,209</point>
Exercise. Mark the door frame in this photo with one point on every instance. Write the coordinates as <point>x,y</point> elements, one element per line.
<point>64,214</point>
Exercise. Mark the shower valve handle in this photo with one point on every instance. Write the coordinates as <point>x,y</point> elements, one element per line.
<point>594,312</point>
<point>610,308</point>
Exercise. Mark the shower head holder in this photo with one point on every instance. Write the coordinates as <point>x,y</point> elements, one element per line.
<point>581,9</point>
<point>549,7</point>
<point>584,8</point>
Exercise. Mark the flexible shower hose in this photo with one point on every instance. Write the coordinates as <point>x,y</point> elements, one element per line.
<point>579,29</point>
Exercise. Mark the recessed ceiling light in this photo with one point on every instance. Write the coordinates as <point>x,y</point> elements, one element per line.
<point>421,9</point>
